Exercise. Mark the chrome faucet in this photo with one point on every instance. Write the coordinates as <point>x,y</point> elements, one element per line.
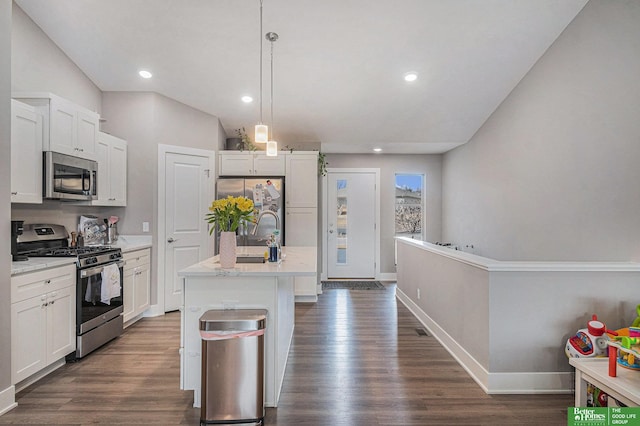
<point>254,231</point>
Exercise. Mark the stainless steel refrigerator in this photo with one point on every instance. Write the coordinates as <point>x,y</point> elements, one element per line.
<point>268,197</point>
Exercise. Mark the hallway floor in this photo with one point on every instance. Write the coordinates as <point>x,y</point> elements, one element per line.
<point>356,359</point>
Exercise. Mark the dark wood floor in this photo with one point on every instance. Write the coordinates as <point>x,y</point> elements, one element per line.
<point>356,359</point>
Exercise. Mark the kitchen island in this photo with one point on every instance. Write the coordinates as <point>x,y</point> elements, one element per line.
<point>247,286</point>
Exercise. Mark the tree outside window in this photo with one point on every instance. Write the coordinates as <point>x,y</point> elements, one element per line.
<point>409,206</point>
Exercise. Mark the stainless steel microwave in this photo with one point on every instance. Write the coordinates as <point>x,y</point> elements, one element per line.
<point>69,178</point>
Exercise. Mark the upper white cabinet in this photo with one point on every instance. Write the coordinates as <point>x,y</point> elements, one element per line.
<point>302,179</point>
<point>237,163</point>
<point>111,153</point>
<point>26,154</point>
<point>68,128</point>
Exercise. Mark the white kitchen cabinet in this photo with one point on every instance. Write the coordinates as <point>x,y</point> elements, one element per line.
<point>301,212</point>
<point>247,163</point>
<point>26,154</point>
<point>302,230</point>
<point>301,179</point>
<point>111,153</point>
<point>136,290</point>
<point>67,127</point>
<point>43,319</point>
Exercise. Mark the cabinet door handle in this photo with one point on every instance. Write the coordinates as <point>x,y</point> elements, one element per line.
<point>47,281</point>
<point>52,302</point>
<point>14,193</point>
<point>44,305</point>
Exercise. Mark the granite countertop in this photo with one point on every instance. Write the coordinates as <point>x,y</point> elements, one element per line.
<point>297,261</point>
<point>126,243</point>
<point>129,243</point>
<point>37,263</point>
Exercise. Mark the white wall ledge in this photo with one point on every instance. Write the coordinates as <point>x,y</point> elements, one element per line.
<point>493,265</point>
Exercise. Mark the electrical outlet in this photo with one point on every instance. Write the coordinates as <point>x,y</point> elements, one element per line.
<point>145,226</point>
<point>418,293</point>
<point>229,304</point>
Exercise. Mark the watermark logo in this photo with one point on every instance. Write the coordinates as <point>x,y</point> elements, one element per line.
<point>603,416</point>
<point>592,416</point>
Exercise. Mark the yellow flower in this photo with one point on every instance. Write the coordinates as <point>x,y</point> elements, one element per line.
<point>228,213</point>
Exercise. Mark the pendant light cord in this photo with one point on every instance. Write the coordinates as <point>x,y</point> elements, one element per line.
<point>271,97</point>
<point>260,61</point>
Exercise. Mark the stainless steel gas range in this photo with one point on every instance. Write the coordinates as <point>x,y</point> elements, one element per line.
<point>99,281</point>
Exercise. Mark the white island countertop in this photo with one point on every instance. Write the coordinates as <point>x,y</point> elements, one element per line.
<point>297,261</point>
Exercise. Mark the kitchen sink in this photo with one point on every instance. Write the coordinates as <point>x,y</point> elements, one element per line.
<point>250,258</point>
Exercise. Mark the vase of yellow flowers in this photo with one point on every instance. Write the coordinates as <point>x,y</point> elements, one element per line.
<point>226,214</point>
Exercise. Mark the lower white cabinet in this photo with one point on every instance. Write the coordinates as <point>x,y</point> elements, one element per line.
<point>136,283</point>
<point>302,230</point>
<point>43,319</point>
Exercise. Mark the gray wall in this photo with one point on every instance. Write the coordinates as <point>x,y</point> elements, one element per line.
<point>143,119</point>
<point>38,65</point>
<point>389,165</point>
<point>5,200</point>
<point>554,173</point>
<point>146,120</point>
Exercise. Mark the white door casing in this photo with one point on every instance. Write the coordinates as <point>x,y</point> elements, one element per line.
<point>351,234</point>
<point>185,191</point>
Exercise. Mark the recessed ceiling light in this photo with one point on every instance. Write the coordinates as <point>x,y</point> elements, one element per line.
<point>247,99</point>
<point>145,74</point>
<point>377,149</point>
<point>411,76</point>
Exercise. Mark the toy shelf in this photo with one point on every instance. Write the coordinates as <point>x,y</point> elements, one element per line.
<point>625,387</point>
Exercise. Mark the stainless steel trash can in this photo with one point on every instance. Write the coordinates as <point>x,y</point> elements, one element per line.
<point>232,388</point>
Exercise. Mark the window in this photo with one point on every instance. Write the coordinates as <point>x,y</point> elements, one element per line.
<point>409,215</point>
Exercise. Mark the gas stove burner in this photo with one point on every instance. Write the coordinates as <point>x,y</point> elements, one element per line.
<point>70,251</point>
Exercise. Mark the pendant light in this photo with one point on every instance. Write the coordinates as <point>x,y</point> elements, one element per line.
<point>272,145</point>
<point>262,131</point>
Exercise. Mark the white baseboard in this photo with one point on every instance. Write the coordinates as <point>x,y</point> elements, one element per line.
<point>388,276</point>
<point>7,399</point>
<point>154,311</point>
<point>40,374</point>
<point>491,383</point>
<point>306,299</point>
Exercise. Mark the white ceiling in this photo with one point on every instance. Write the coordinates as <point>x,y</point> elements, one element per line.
<point>339,64</point>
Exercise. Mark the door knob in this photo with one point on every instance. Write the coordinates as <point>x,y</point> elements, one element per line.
<point>170,240</point>
<point>331,231</point>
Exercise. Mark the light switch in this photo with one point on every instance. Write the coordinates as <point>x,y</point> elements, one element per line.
<point>145,226</point>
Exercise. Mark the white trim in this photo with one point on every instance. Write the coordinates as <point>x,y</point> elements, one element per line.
<point>325,204</point>
<point>163,150</point>
<point>8,400</point>
<point>492,265</point>
<point>306,299</point>
<point>153,311</point>
<point>491,383</point>
<point>40,374</point>
<point>388,276</point>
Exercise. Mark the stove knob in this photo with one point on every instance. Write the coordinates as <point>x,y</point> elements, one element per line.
<point>114,256</point>
<point>92,260</point>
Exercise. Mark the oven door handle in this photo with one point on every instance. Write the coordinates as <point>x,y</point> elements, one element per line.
<point>98,269</point>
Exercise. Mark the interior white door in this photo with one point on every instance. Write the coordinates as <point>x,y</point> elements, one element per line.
<point>187,197</point>
<point>351,224</point>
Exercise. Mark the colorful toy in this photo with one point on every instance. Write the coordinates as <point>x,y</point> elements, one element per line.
<point>636,322</point>
<point>624,349</point>
<point>589,342</point>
